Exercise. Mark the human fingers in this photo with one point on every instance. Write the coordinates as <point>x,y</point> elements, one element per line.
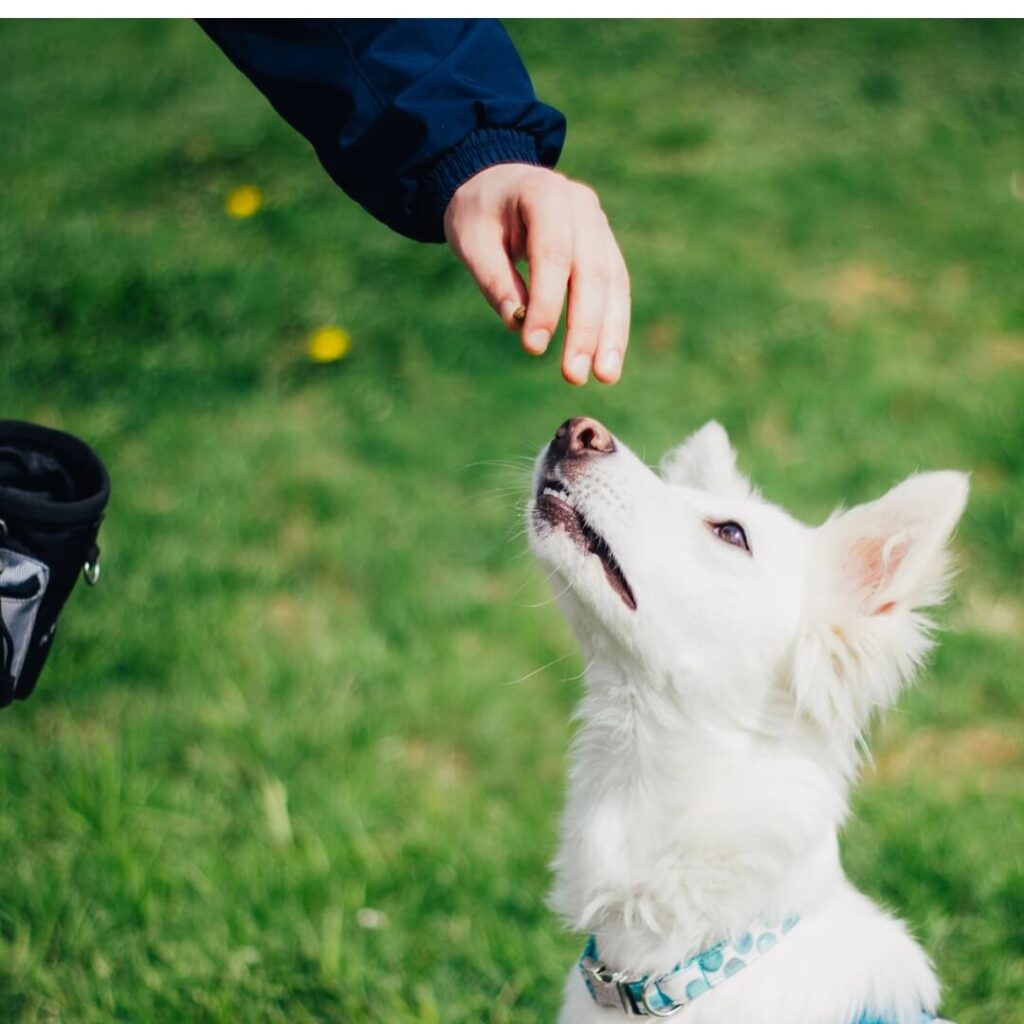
<point>481,248</point>
<point>588,285</point>
<point>611,349</point>
<point>547,220</point>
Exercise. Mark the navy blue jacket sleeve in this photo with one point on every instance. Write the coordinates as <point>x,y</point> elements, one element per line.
<point>402,111</point>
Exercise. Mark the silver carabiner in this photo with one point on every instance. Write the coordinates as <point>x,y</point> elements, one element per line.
<point>91,572</point>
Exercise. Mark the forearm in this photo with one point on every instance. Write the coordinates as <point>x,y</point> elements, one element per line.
<point>400,112</point>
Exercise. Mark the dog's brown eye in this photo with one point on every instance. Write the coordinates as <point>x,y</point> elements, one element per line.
<point>732,533</point>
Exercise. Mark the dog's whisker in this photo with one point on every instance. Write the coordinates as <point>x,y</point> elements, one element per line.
<point>510,460</point>
<point>496,495</point>
<point>530,579</point>
<point>522,586</point>
<point>503,489</point>
<point>551,600</point>
<point>582,672</point>
<point>536,671</point>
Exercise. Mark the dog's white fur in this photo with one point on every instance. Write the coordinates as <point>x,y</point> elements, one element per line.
<point>722,721</point>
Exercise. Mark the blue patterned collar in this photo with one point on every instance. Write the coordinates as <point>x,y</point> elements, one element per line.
<point>662,995</point>
<point>874,1018</point>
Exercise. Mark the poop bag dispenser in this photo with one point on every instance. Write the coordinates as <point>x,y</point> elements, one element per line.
<point>53,492</point>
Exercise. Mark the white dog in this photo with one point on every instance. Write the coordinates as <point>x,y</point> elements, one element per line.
<point>734,657</point>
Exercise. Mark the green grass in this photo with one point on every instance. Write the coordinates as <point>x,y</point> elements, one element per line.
<point>310,682</point>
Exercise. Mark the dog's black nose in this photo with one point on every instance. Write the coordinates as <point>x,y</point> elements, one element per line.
<point>580,436</point>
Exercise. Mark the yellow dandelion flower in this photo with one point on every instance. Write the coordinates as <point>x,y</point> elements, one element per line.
<point>243,201</point>
<point>329,344</point>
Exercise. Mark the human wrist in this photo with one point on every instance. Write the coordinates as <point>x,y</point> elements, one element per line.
<point>484,148</point>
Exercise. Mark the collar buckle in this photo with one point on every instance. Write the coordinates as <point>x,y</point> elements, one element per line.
<point>609,988</point>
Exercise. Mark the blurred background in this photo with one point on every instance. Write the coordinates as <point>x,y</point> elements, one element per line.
<point>300,756</point>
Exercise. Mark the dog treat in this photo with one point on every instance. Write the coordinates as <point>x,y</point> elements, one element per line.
<point>519,315</point>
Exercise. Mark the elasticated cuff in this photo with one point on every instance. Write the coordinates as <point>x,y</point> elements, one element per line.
<point>484,148</point>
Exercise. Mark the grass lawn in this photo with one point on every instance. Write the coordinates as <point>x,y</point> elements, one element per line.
<point>300,756</point>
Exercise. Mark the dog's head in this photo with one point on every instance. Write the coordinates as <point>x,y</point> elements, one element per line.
<point>690,580</point>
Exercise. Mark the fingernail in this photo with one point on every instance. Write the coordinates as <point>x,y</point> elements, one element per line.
<point>537,341</point>
<point>610,362</point>
<point>579,368</point>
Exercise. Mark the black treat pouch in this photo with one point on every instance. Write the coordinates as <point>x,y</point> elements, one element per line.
<point>53,491</point>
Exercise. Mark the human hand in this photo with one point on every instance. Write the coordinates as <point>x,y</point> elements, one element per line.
<point>510,212</point>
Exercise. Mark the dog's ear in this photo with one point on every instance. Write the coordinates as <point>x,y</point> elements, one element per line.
<point>706,460</point>
<point>874,568</point>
